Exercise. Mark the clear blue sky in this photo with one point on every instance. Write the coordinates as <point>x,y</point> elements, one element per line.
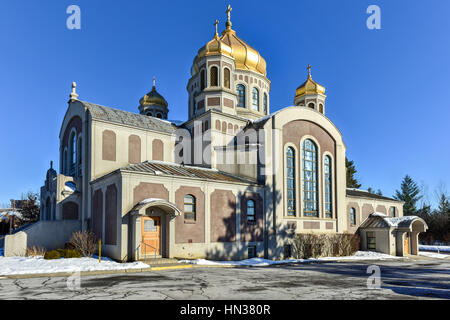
<point>388,90</point>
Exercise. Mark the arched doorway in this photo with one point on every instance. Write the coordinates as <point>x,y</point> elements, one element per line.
<point>151,228</point>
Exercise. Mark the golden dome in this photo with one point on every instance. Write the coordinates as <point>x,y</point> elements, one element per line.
<point>215,47</point>
<point>245,57</point>
<point>153,98</point>
<point>309,87</point>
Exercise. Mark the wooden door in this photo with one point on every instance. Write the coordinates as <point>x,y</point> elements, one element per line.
<point>406,243</point>
<point>151,236</point>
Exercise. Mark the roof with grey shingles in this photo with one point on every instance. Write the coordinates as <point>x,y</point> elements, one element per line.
<point>129,118</point>
<point>366,194</point>
<point>160,168</point>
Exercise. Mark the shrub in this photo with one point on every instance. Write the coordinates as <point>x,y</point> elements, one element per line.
<point>85,242</point>
<point>54,254</point>
<point>35,252</point>
<point>72,253</point>
<point>319,245</point>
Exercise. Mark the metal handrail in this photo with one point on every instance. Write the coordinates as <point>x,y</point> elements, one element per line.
<point>148,245</point>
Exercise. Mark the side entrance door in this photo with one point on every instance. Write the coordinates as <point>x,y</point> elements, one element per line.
<point>406,243</point>
<point>151,236</point>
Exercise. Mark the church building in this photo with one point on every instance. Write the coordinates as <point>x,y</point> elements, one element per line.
<point>233,181</point>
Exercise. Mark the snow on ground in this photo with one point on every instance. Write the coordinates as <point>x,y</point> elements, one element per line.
<point>434,248</point>
<point>434,255</point>
<point>259,262</point>
<point>34,265</point>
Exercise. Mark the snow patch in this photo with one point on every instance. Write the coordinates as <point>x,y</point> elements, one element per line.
<point>150,200</point>
<point>259,262</point>
<point>36,265</point>
<point>434,255</point>
<point>70,186</point>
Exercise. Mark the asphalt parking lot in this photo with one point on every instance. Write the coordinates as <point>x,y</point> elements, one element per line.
<point>410,279</point>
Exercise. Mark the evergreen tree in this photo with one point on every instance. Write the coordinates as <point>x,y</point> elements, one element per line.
<point>30,209</point>
<point>370,190</point>
<point>351,171</point>
<point>444,204</point>
<point>409,193</point>
<point>379,192</point>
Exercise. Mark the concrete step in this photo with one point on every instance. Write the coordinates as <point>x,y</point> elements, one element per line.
<point>160,261</point>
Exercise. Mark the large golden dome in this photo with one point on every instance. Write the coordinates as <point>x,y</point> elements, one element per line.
<point>309,87</point>
<point>245,57</point>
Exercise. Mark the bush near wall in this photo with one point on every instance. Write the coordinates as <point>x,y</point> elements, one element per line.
<point>62,253</point>
<point>309,245</point>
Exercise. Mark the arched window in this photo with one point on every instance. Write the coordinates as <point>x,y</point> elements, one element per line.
<point>290,181</point>
<point>310,178</point>
<point>80,156</point>
<point>328,187</point>
<point>321,108</point>
<point>265,103</point>
<point>352,216</point>
<point>226,78</point>
<point>250,210</point>
<point>214,76</point>
<point>255,99</point>
<point>311,105</point>
<point>240,90</point>
<point>189,207</point>
<point>73,153</point>
<point>202,79</point>
<point>159,115</point>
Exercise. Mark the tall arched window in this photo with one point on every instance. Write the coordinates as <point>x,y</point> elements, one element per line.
<point>265,103</point>
<point>202,79</point>
<point>80,157</point>
<point>328,187</point>
<point>352,216</point>
<point>311,105</point>
<point>240,90</point>
<point>250,210</point>
<point>226,78</point>
<point>255,99</point>
<point>64,162</point>
<point>214,76</point>
<point>290,181</point>
<point>310,178</point>
<point>189,208</point>
<point>73,153</point>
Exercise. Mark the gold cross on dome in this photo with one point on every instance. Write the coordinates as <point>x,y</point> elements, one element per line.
<point>228,12</point>
<point>215,24</point>
<point>309,70</point>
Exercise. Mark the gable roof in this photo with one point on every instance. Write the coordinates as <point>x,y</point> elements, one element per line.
<point>365,194</point>
<point>160,168</point>
<point>129,118</point>
<point>380,220</point>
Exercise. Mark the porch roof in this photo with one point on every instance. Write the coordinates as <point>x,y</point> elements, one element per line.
<point>160,168</point>
<point>380,220</point>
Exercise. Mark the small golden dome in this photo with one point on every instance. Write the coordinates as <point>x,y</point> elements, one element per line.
<point>309,87</point>
<point>229,44</point>
<point>153,98</point>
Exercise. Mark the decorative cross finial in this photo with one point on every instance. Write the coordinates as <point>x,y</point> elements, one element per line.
<point>309,70</point>
<point>51,164</point>
<point>73,94</point>
<point>215,24</point>
<point>228,12</point>
<point>154,82</point>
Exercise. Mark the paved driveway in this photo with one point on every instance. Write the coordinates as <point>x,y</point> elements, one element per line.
<point>421,279</point>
